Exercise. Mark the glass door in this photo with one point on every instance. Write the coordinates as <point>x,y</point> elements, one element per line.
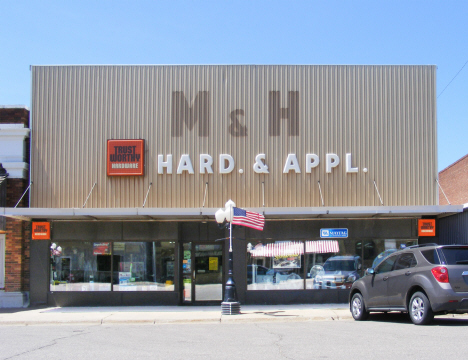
<point>202,270</point>
<point>187,272</point>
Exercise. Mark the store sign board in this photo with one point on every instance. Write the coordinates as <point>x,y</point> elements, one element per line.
<point>125,157</point>
<point>101,248</point>
<point>333,233</point>
<point>213,263</point>
<point>426,227</point>
<point>40,231</point>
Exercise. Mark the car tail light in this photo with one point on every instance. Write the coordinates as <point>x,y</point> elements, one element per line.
<point>441,274</point>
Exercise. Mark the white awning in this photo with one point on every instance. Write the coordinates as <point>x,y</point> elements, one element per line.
<point>181,214</point>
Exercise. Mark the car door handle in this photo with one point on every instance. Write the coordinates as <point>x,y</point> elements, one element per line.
<point>385,278</point>
<point>408,273</point>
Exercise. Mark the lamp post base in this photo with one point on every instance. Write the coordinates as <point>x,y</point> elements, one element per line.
<point>230,308</point>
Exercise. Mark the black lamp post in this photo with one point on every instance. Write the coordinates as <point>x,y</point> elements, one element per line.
<point>230,304</point>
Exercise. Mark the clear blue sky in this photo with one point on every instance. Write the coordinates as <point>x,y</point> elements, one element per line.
<point>422,32</point>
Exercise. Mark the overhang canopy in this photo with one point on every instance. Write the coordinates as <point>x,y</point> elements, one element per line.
<point>185,214</point>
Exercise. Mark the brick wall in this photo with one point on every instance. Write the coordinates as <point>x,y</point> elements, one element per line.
<point>17,244</point>
<point>14,116</point>
<point>454,182</point>
<point>15,189</point>
<point>17,250</point>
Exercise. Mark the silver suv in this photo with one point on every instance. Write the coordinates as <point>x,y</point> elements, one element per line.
<point>423,280</point>
<point>338,272</point>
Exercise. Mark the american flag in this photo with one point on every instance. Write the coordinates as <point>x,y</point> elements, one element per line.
<point>248,218</point>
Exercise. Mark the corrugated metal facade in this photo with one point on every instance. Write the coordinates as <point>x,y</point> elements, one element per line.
<point>385,116</point>
<point>454,229</point>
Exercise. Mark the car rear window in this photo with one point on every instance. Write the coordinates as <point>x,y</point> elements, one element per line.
<point>431,256</point>
<point>455,255</point>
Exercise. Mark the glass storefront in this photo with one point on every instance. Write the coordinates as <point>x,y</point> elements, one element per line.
<point>181,263</point>
<point>112,266</point>
<point>314,264</point>
<point>275,266</point>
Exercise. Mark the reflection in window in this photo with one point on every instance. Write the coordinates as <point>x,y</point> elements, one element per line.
<point>405,261</point>
<point>80,266</point>
<point>143,266</point>
<point>129,266</point>
<point>386,265</point>
<point>275,266</point>
<point>386,247</point>
<point>333,264</point>
<point>325,264</point>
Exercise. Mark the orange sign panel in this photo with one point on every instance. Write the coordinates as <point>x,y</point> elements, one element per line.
<point>41,231</point>
<point>426,227</point>
<point>125,157</point>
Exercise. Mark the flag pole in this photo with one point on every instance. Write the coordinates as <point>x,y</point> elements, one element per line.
<point>230,304</point>
<point>230,233</point>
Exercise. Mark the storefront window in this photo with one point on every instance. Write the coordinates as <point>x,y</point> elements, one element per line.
<point>336,264</point>
<point>80,266</point>
<point>332,264</point>
<point>144,266</point>
<point>275,266</point>
<point>117,266</point>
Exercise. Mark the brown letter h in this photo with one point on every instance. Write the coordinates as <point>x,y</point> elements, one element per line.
<point>276,113</point>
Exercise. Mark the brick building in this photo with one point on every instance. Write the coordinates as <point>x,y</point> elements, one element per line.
<point>454,183</point>
<point>14,180</point>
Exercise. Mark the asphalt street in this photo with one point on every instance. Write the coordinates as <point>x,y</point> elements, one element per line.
<point>388,336</point>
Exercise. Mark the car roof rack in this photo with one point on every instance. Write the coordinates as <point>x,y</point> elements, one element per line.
<point>422,245</point>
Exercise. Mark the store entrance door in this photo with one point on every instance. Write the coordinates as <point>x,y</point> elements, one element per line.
<point>202,270</point>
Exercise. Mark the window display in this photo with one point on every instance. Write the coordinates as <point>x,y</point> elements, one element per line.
<point>79,266</point>
<point>275,266</point>
<point>112,266</point>
<point>315,264</point>
<point>143,266</point>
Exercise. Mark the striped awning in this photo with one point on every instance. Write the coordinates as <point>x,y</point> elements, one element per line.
<point>322,246</point>
<point>278,249</point>
<point>294,248</point>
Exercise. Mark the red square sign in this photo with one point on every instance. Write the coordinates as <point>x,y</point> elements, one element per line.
<point>40,231</point>
<point>125,157</point>
<point>426,227</point>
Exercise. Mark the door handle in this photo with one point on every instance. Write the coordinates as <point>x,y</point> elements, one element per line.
<point>385,278</point>
<point>408,273</point>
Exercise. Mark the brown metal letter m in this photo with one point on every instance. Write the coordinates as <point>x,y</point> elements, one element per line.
<point>182,113</point>
<point>277,113</point>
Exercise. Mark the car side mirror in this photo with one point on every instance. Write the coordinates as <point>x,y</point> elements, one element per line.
<point>370,271</point>
<point>359,266</point>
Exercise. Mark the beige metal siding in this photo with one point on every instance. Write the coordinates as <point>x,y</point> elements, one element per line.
<point>384,115</point>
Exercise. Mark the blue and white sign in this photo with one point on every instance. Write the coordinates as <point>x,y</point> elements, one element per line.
<point>333,233</point>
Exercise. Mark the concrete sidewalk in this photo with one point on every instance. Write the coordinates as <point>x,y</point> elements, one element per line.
<point>171,314</point>
<point>149,315</point>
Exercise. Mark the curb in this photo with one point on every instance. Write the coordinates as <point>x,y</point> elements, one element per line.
<point>156,318</point>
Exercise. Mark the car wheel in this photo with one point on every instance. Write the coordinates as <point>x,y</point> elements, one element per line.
<point>358,309</point>
<point>420,309</point>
